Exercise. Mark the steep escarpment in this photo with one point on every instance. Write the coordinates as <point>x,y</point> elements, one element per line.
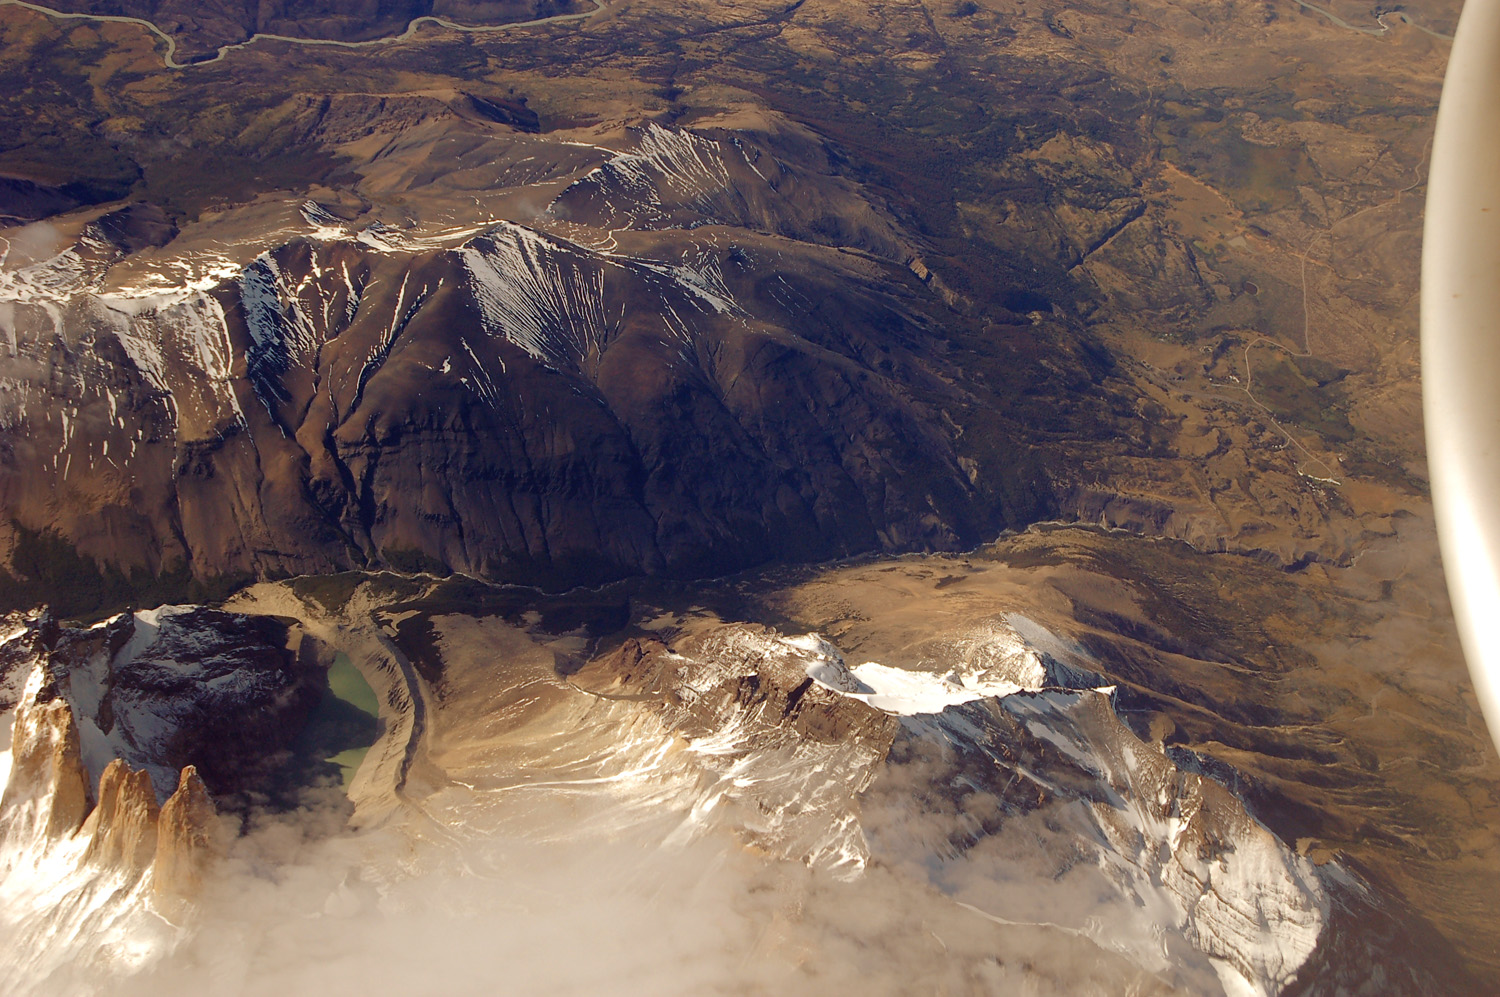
<point>524,402</point>
<point>50,803</point>
<point>127,742</point>
<point>110,848</point>
<point>164,690</point>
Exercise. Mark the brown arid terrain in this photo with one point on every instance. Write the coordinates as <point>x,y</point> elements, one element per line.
<point>199,31</point>
<point>924,314</point>
<point>1164,266</point>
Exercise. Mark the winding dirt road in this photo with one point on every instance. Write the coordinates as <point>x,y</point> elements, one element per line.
<point>169,57</point>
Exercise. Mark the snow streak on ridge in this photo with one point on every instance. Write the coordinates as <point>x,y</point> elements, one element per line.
<point>534,294</point>
<point>283,335</point>
<point>667,166</point>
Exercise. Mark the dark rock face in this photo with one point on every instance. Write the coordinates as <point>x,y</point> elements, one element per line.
<point>1377,946</point>
<point>174,687</point>
<point>519,406</point>
<point>24,200</point>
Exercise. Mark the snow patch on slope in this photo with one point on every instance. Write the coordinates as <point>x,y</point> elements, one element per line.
<point>159,333</point>
<point>55,279</point>
<point>326,227</point>
<point>990,662</point>
<point>282,333</point>
<point>893,690</point>
<point>701,277</point>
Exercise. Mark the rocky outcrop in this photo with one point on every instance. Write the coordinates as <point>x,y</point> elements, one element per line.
<point>174,687</point>
<point>49,807</point>
<point>49,792</point>
<point>788,757</point>
<point>116,712</point>
<point>708,680</point>
<point>88,848</point>
<point>188,837</point>
<point>122,830</point>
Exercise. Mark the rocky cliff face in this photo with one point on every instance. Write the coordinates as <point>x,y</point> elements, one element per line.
<point>117,829</point>
<point>174,687</point>
<point>115,723</point>
<point>123,826</point>
<point>187,837</point>
<point>146,714</point>
<point>48,794</point>
<point>105,820</point>
<point>89,876</point>
<point>788,756</point>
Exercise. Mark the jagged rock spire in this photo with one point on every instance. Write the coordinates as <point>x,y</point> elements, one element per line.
<point>187,839</point>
